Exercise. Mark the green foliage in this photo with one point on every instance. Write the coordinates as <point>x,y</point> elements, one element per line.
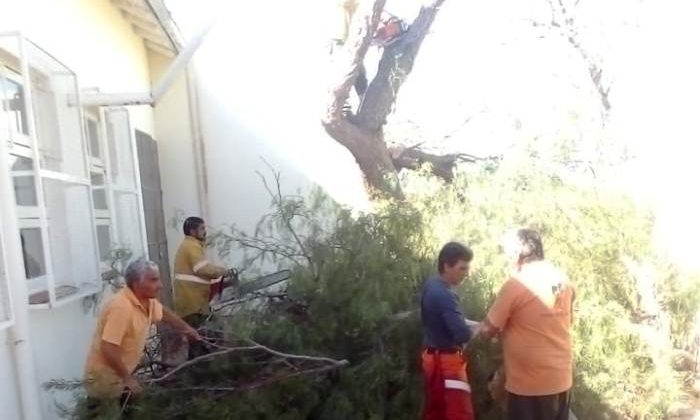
<point>589,233</point>
<point>352,273</point>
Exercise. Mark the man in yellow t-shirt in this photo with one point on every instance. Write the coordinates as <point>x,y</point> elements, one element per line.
<point>195,279</point>
<point>533,315</point>
<point>194,273</point>
<point>121,333</point>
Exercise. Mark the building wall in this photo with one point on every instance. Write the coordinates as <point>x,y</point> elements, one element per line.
<point>91,38</point>
<point>8,391</point>
<point>260,82</point>
<point>60,338</point>
<point>261,79</point>
<point>176,154</point>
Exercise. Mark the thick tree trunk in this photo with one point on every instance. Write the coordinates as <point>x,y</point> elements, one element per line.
<point>371,154</point>
<point>362,134</point>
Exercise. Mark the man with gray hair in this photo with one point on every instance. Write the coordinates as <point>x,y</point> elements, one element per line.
<point>121,333</point>
<point>533,315</point>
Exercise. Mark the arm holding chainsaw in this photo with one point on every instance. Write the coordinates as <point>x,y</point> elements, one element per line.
<point>216,274</point>
<point>206,270</point>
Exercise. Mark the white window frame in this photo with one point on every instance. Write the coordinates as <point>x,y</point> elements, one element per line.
<point>26,212</point>
<point>37,284</point>
<point>113,188</point>
<point>102,166</point>
<point>5,279</point>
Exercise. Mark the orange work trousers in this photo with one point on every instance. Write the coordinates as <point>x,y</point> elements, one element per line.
<point>447,392</point>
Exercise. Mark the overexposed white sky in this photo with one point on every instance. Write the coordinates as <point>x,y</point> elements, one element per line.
<point>483,61</point>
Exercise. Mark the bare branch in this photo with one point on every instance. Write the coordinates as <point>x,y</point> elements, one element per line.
<point>441,165</point>
<point>279,199</point>
<point>199,359</point>
<point>224,350</point>
<point>264,382</point>
<point>293,356</point>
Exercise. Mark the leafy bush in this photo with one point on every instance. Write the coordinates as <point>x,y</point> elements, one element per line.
<point>353,274</point>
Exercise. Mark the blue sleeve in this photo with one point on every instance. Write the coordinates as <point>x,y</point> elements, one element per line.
<point>453,318</point>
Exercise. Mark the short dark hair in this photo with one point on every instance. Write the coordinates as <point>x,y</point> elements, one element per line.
<point>451,253</point>
<point>530,246</point>
<point>192,222</point>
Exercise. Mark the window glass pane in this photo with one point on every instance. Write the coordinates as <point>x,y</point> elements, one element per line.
<point>99,196</point>
<point>21,163</point>
<point>33,252</point>
<point>121,152</point>
<point>25,189</point>
<point>12,98</point>
<point>93,138</point>
<point>57,117</point>
<point>71,238</point>
<point>104,242</point>
<point>129,223</point>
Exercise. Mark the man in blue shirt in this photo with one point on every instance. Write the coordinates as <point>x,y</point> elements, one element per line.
<point>447,391</point>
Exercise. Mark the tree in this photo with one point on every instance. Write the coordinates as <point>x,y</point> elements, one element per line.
<point>563,23</point>
<point>361,131</point>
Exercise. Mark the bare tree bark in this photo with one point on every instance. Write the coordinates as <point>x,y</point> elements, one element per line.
<point>394,67</point>
<point>362,133</point>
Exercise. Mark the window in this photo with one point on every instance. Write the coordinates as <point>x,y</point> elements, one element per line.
<point>115,192</point>
<point>50,169</point>
<point>100,188</point>
<point>74,176</point>
<point>126,195</point>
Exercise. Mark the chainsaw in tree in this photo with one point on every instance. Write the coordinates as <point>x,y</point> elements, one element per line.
<point>231,289</point>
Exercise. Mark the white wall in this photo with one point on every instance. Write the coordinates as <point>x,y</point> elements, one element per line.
<point>60,338</point>
<point>91,38</point>
<point>262,75</point>
<point>176,154</point>
<point>9,400</point>
<point>260,81</point>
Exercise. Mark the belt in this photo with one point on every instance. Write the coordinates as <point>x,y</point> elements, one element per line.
<point>433,350</point>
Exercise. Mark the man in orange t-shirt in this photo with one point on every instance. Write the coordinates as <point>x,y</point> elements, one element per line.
<point>533,315</point>
<point>121,333</point>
